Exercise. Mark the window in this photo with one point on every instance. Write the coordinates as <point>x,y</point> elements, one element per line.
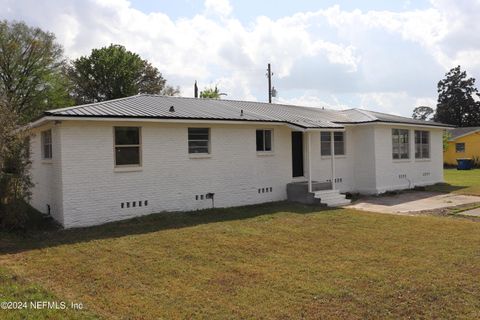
<point>264,140</point>
<point>460,147</point>
<point>400,145</point>
<point>127,146</point>
<point>198,140</point>
<point>47,144</point>
<point>338,143</point>
<point>422,144</point>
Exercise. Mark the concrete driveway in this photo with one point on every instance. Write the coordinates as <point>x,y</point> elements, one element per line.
<point>411,202</point>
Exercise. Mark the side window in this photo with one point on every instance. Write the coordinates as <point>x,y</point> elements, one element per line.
<point>400,144</point>
<point>127,146</point>
<point>264,140</point>
<point>198,140</point>
<point>47,144</point>
<point>422,144</point>
<point>460,147</point>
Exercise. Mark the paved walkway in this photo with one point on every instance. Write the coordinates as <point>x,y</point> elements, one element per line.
<point>472,213</point>
<point>410,202</point>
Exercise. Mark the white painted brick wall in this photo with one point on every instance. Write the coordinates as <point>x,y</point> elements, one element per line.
<point>46,174</point>
<point>388,170</point>
<point>83,188</point>
<point>170,179</point>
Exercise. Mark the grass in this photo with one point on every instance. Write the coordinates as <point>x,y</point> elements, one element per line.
<point>272,261</point>
<point>460,182</point>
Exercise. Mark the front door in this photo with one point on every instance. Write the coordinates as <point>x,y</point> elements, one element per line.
<point>297,154</point>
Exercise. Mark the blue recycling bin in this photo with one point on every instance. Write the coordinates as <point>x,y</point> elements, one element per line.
<point>464,164</point>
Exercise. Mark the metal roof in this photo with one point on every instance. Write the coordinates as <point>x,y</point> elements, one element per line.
<point>160,107</point>
<point>460,132</point>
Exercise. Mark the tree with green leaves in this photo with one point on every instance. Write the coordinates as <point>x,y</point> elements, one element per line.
<point>422,113</point>
<point>456,104</point>
<point>15,181</point>
<point>211,93</point>
<point>114,72</point>
<point>31,70</point>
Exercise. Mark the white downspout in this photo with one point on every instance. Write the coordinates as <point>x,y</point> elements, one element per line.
<point>332,154</point>
<point>309,161</point>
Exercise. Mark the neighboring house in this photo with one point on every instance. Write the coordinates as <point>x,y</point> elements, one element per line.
<point>143,154</point>
<point>463,143</point>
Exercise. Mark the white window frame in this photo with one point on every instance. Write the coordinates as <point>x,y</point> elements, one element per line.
<point>47,143</point>
<point>330,141</point>
<point>139,145</point>
<point>421,145</point>
<point>271,140</point>
<point>400,145</point>
<point>208,141</point>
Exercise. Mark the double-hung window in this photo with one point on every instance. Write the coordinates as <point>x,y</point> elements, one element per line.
<point>127,146</point>
<point>264,140</point>
<point>400,144</point>
<point>47,144</point>
<point>422,144</point>
<point>198,140</point>
<point>338,143</point>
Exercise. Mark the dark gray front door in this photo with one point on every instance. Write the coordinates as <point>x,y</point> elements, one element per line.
<point>297,154</point>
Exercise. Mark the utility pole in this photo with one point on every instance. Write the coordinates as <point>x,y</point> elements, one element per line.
<point>269,76</point>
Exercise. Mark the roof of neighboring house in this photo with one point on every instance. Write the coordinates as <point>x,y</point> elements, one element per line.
<point>461,132</point>
<point>159,107</point>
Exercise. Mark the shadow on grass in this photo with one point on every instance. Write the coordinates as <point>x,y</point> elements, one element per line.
<point>51,237</point>
<point>445,188</point>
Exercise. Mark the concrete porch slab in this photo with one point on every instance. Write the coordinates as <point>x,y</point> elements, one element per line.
<point>415,201</point>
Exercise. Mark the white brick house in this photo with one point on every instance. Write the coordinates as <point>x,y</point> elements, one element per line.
<point>122,158</point>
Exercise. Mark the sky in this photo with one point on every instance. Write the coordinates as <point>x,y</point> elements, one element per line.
<point>386,56</point>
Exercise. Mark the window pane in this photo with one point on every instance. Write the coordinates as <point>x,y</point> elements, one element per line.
<point>325,149</point>
<point>325,136</point>
<point>127,155</point>
<point>418,135</point>
<point>259,140</point>
<point>338,136</point>
<point>197,149</point>
<point>268,140</point>
<point>339,148</point>
<point>198,143</point>
<point>417,151</point>
<point>425,137</point>
<point>127,135</point>
<point>425,151</point>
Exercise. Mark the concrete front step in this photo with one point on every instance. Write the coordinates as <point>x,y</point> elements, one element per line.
<point>332,198</point>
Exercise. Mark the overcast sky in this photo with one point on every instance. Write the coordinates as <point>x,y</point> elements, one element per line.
<point>380,55</point>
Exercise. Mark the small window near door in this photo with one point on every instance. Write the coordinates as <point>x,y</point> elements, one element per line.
<point>338,143</point>
<point>460,147</point>
<point>127,146</point>
<point>47,144</point>
<point>264,140</point>
<point>198,140</point>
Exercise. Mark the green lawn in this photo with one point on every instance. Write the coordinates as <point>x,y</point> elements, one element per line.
<point>273,261</point>
<point>460,181</point>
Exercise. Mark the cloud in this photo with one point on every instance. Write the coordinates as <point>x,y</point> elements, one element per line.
<point>220,7</point>
<point>383,60</point>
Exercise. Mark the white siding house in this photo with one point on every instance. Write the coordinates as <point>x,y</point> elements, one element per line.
<point>94,177</point>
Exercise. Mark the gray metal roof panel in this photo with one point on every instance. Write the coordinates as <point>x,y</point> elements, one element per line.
<point>156,106</point>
